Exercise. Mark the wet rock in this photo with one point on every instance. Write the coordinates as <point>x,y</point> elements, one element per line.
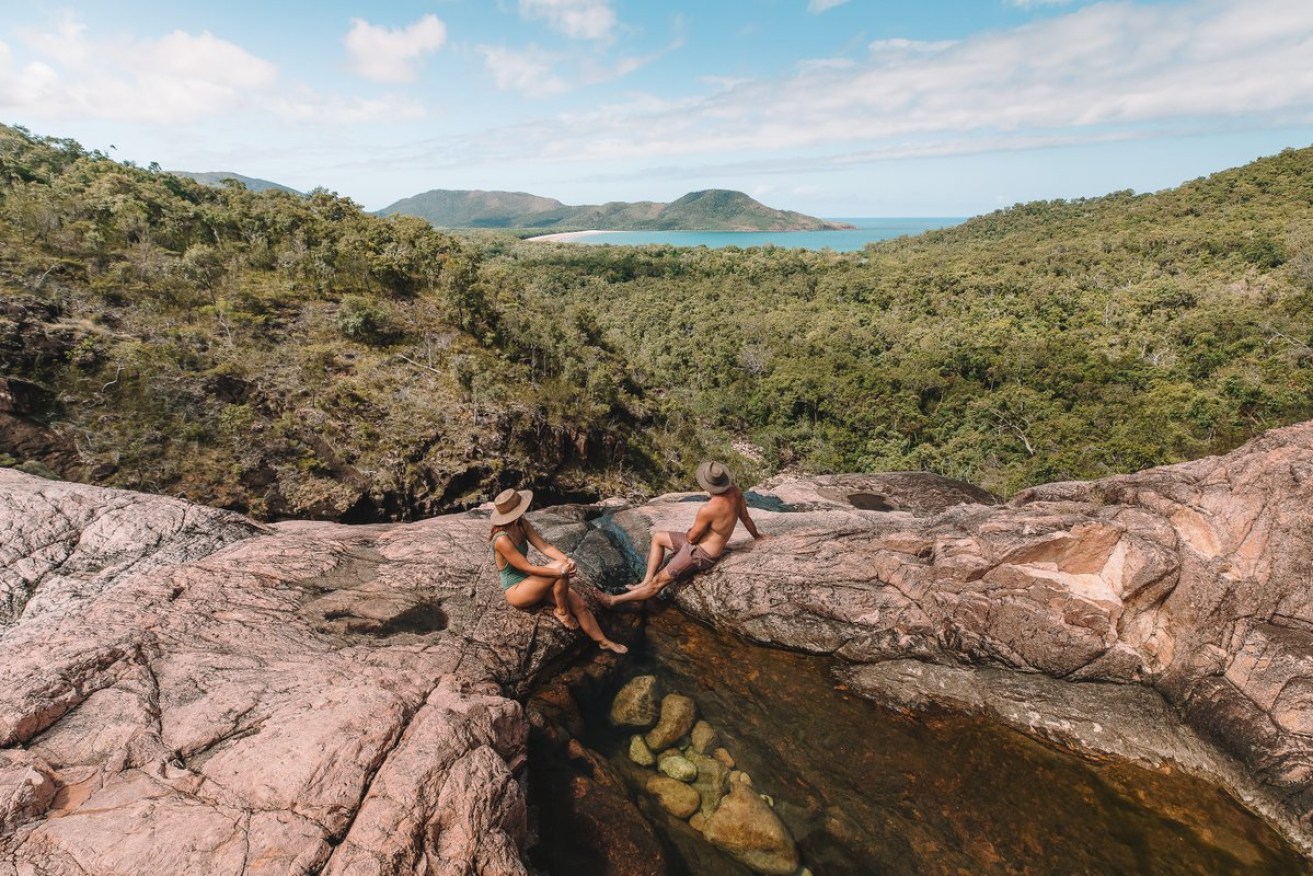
<point>712,781</point>
<point>746,828</point>
<point>703,737</point>
<point>675,797</point>
<point>724,757</point>
<point>678,768</point>
<point>637,704</point>
<point>678,713</point>
<point>1189,579</point>
<point>639,753</point>
<point>698,822</point>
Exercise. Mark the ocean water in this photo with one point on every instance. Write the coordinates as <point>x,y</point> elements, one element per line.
<point>868,229</point>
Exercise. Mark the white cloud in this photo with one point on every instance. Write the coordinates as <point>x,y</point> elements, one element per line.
<point>170,81</point>
<point>391,55</point>
<point>176,78</point>
<point>816,7</point>
<point>1112,70</point>
<point>529,72</point>
<point>577,19</point>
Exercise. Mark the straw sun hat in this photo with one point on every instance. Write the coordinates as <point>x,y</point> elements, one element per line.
<point>714,478</point>
<point>509,505</point>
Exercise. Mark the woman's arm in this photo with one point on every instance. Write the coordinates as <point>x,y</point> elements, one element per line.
<point>506,548</point>
<point>546,547</point>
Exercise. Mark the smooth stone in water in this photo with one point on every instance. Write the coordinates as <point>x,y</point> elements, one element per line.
<point>698,822</point>
<point>636,704</point>
<point>677,715</point>
<point>725,757</point>
<point>712,781</point>
<point>746,828</point>
<point>639,753</point>
<point>679,768</point>
<point>675,797</point>
<point>704,737</point>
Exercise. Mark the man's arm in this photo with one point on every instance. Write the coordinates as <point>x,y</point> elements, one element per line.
<point>701,524</point>
<point>747,520</point>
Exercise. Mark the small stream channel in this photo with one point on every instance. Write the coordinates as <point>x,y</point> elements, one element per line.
<point>865,790</point>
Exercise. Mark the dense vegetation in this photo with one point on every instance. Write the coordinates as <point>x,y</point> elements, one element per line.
<point>288,355</point>
<point>1049,341</point>
<point>709,210</point>
<point>296,356</point>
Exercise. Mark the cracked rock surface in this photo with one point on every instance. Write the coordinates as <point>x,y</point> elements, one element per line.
<point>184,691</point>
<point>1193,580</point>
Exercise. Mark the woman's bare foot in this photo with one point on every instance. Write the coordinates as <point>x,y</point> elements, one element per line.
<point>567,620</point>
<point>614,647</point>
<point>636,585</point>
<point>606,599</point>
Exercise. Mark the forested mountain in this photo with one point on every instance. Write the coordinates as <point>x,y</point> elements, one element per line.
<point>217,178</point>
<point>294,356</point>
<point>710,210</point>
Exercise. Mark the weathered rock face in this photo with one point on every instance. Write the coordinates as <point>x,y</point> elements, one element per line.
<point>309,695</point>
<point>189,692</point>
<point>1191,579</point>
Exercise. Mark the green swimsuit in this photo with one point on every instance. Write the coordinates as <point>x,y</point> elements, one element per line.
<point>510,576</point>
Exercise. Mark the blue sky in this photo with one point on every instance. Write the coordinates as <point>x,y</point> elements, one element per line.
<point>830,107</point>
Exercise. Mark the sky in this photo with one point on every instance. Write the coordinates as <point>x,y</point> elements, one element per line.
<point>835,108</point>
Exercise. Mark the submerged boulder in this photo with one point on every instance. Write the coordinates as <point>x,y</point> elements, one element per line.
<point>675,796</point>
<point>745,827</point>
<point>637,704</point>
<point>678,713</point>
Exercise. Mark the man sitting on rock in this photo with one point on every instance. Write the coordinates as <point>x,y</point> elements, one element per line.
<point>699,548</point>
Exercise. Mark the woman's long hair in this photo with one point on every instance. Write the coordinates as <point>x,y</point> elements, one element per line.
<point>505,527</point>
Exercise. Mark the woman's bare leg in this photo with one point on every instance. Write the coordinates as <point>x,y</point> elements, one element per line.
<point>591,627</point>
<point>561,596</point>
<point>537,588</point>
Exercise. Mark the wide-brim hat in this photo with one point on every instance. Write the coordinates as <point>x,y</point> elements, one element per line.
<point>509,505</point>
<point>714,478</point>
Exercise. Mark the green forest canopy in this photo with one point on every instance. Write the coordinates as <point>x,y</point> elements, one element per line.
<point>292,356</point>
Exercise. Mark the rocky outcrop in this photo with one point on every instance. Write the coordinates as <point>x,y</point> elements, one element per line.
<point>1192,580</point>
<point>188,691</point>
<point>184,691</point>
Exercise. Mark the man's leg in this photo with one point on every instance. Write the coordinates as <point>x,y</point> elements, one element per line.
<point>660,544</point>
<point>644,590</point>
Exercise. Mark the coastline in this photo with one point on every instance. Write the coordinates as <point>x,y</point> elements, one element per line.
<point>564,236</point>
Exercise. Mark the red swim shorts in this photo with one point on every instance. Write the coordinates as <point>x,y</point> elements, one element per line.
<point>688,558</point>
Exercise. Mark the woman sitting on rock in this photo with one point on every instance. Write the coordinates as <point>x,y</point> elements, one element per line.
<point>525,584</point>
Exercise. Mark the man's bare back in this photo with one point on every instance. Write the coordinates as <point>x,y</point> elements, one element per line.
<point>716,520</point>
<point>699,548</point>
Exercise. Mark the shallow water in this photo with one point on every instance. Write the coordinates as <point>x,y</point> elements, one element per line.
<point>866,230</point>
<point>866,790</point>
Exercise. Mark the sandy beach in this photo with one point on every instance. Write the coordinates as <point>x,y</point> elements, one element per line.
<point>565,236</point>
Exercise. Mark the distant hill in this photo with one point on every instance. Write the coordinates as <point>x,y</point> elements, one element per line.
<point>709,210</point>
<point>216,178</point>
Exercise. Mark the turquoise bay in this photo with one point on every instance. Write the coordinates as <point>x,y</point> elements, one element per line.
<point>867,230</point>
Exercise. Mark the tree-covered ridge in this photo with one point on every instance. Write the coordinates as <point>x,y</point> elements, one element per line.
<point>294,355</point>
<point>220,177</point>
<point>1049,341</point>
<point>709,210</point>
<point>288,355</point>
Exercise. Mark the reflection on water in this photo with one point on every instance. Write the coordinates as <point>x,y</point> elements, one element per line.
<point>866,790</point>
